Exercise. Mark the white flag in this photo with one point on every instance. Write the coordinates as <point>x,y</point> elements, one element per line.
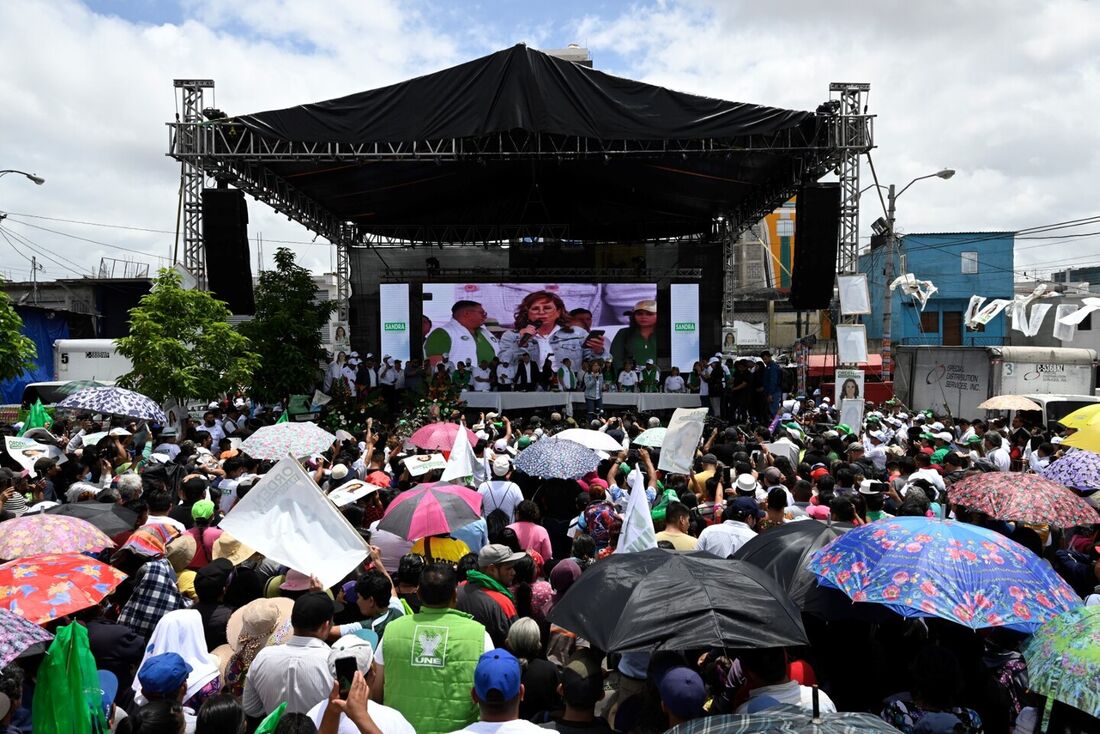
<point>288,519</point>
<point>637,533</point>
<point>1063,331</point>
<point>462,461</point>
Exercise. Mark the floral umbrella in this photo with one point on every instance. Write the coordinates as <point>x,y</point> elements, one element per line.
<point>17,635</point>
<point>1063,659</point>
<point>1078,469</point>
<point>555,458</point>
<point>297,439</point>
<point>440,436</point>
<point>45,587</point>
<point>925,567</point>
<point>43,533</point>
<point>115,401</point>
<point>1022,498</point>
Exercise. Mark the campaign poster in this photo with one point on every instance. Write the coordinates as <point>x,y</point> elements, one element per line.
<point>681,440</point>
<point>849,385</point>
<point>26,451</point>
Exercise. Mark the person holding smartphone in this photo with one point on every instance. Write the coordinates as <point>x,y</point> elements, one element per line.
<point>348,709</point>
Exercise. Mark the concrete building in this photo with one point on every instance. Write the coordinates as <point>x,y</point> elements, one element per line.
<point>960,265</point>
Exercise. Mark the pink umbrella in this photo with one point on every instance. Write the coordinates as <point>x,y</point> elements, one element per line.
<point>34,534</point>
<point>440,436</point>
<point>431,509</point>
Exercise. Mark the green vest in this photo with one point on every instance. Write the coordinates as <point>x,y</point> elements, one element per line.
<point>429,663</point>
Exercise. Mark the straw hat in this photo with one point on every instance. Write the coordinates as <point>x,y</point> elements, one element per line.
<point>181,551</point>
<point>270,617</point>
<point>228,547</point>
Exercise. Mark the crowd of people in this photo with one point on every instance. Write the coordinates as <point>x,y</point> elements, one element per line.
<point>453,633</point>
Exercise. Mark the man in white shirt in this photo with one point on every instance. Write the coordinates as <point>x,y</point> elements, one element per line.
<point>996,452</point>
<point>298,671</point>
<point>674,382</point>
<point>498,691</point>
<point>766,674</point>
<point>499,493</point>
<point>567,378</point>
<point>481,376</point>
<point>926,472</point>
<point>358,712</point>
<point>213,427</point>
<point>875,449</point>
<point>167,444</point>
<point>739,519</point>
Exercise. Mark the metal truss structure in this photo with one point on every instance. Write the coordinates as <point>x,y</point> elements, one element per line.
<point>561,275</point>
<point>192,176</point>
<point>854,140</point>
<point>229,152</point>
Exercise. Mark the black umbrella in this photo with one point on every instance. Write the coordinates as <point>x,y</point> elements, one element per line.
<point>666,599</point>
<point>112,519</point>
<point>783,553</point>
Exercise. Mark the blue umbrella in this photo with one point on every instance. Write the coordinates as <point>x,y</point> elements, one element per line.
<point>926,567</point>
<point>556,458</point>
<point>1079,469</point>
<point>114,401</point>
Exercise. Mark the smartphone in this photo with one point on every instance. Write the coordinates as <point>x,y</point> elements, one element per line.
<point>345,672</point>
<point>596,334</point>
<point>727,479</point>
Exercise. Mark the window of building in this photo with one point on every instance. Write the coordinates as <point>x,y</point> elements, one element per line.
<point>930,322</point>
<point>970,263</point>
<point>784,227</point>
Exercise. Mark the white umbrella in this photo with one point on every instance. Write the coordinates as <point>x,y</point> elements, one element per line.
<point>594,440</point>
<point>1009,402</point>
<point>653,437</point>
<point>297,439</point>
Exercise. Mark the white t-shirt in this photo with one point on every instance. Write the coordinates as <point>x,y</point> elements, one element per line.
<point>480,379</point>
<point>674,383</point>
<point>794,694</point>
<point>515,726</point>
<point>389,720</point>
<point>500,494</point>
<point>165,520</point>
<point>628,378</point>
<point>228,489</point>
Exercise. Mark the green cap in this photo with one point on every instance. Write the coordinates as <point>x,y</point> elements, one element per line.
<point>524,442</point>
<point>202,510</point>
<point>974,439</point>
<point>844,428</point>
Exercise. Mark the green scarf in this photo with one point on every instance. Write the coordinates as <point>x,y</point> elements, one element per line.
<point>488,582</point>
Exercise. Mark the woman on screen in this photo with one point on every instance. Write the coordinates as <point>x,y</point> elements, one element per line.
<point>543,329</point>
<point>637,342</point>
<point>850,390</point>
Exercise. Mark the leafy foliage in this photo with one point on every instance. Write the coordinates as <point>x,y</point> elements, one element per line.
<point>182,345</point>
<point>17,352</point>
<point>286,331</point>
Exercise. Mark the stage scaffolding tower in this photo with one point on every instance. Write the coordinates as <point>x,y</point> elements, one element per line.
<point>854,140</point>
<point>192,177</point>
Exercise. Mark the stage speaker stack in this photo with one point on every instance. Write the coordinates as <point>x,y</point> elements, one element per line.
<point>225,240</point>
<point>816,234</point>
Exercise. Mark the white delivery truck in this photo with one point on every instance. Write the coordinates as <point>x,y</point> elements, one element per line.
<point>954,380</point>
<point>88,359</point>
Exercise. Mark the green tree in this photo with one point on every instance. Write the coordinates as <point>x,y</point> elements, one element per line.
<point>286,331</point>
<point>182,345</point>
<point>17,352</point>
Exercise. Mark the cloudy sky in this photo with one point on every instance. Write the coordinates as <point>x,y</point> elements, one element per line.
<point>1005,92</point>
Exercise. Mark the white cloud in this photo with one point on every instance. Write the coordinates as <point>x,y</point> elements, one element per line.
<point>1004,92</point>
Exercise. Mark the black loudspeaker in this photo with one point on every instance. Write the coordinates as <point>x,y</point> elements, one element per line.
<point>816,234</point>
<point>225,239</point>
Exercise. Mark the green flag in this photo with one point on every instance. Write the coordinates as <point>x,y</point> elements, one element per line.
<point>36,418</point>
<point>283,417</point>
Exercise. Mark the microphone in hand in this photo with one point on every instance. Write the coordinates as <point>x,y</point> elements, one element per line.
<point>527,337</point>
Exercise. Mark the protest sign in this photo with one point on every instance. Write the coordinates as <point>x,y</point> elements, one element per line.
<point>26,451</point>
<point>681,440</point>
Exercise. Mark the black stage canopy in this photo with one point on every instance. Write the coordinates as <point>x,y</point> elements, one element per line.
<point>519,140</point>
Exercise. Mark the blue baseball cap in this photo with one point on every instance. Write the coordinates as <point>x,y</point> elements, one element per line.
<point>163,674</point>
<point>682,692</point>
<point>108,688</point>
<point>497,676</point>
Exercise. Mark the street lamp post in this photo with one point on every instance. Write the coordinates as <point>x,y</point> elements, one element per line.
<point>892,246</point>
<point>36,179</point>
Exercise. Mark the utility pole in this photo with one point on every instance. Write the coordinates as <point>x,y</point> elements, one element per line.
<point>888,295</point>
<point>34,280</point>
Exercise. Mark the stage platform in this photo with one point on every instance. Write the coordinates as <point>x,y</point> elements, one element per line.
<point>612,401</point>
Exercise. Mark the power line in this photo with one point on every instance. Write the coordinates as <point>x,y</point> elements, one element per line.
<point>85,239</point>
<point>38,250</point>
